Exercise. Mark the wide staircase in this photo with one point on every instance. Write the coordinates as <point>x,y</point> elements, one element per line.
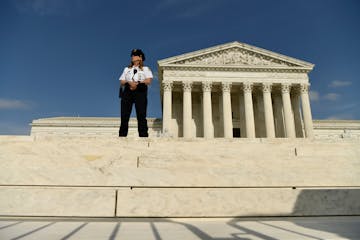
<point>164,177</point>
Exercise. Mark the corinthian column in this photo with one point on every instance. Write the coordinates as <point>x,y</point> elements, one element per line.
<point>249,111</point>
<point>227,113</point>
<point>295,101</point>
<point>207,111</point>
<point>268,109</point>
<point>187,113</point>
<point>305,102</point>
<point>289,118</point>
<point>167,103</point>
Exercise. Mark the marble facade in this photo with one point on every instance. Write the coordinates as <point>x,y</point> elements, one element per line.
<point>235,90</point>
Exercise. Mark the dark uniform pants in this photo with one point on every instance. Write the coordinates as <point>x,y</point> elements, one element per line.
<point>139,97</point>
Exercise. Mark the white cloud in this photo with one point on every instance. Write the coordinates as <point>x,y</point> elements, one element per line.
<point>335,84</point>
<point>314,96</point>
<point>331,96</point>
<point>14,104</point>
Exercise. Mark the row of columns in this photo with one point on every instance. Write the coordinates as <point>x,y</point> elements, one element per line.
<point>288,105</point>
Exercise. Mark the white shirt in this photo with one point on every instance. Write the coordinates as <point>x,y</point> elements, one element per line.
<point>140,75</point>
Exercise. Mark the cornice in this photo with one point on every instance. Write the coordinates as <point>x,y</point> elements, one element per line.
<point>234,68</point>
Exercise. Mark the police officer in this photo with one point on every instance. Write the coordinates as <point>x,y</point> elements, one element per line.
<point>134,81</point>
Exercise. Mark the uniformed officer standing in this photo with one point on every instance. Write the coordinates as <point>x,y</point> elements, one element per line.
<point>133,89</point>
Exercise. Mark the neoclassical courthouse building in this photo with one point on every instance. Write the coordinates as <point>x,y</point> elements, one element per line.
<point>226,91</point>
<point>235,90</point>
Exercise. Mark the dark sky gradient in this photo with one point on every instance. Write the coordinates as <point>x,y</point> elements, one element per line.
<point>64,57</point>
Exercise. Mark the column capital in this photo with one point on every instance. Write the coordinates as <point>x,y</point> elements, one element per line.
<point>187,86</point>
<point>167,86</point>
<point>285,87</point>
<point>206,86</point>
<point>304,88</point>
<point>266,87</point>
<point>226,86</point>
<point>248,86</point>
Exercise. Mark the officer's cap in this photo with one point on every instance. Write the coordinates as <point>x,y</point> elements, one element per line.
<point>138,52</point>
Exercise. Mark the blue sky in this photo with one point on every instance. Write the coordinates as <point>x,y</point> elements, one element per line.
<point>64,57</point>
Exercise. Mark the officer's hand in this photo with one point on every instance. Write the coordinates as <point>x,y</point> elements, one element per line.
<point>147,81</point>
<point>133,85</point>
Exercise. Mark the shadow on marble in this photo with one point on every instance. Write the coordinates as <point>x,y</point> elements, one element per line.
<point>331,201</point>
<point>204,229</point>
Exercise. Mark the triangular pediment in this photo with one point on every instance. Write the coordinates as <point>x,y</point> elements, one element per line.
<point>235,54</point>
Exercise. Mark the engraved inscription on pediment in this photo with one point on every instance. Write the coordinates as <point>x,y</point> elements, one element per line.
<point>235,56</point>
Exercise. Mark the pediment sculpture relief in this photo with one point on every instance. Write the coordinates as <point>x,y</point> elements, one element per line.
<point>235,56</point>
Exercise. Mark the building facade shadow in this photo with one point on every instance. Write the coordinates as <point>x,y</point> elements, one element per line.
<point>330,202</point>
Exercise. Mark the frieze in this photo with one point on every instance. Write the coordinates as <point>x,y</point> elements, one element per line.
<point>203,69</point>
<point>184,74</point>
<point>286,75</point>
<point>202,73</point>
